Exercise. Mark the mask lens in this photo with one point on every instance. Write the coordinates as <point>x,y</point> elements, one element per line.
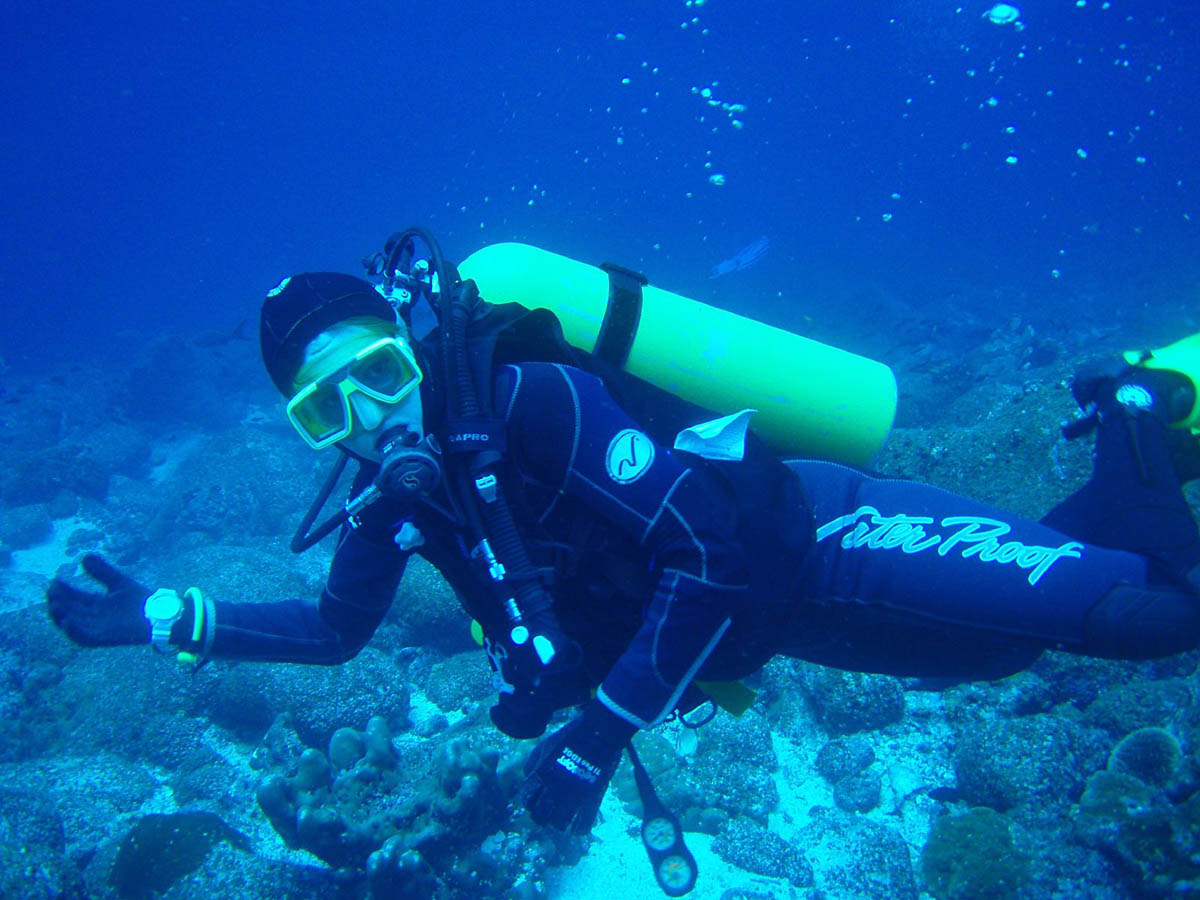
<point>385,373</point>
<point>321,414</point>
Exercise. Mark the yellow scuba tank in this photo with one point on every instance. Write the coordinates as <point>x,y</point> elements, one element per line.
<point>812,399</point>
<point>1183,357</point>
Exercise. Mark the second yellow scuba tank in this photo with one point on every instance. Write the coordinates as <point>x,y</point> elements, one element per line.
<point>812,399</point>
<point>1183,357</point>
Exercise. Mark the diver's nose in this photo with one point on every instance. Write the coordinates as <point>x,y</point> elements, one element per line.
<point>368,411</point>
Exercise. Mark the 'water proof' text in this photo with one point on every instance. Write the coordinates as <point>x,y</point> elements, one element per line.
<point>972,536</point>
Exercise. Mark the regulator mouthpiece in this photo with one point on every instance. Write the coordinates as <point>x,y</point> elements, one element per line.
<point>408,471</point>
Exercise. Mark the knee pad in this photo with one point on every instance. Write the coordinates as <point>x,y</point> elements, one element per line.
<point>1142,622</point>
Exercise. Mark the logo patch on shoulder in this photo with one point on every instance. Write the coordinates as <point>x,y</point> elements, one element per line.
<point>629,455</point>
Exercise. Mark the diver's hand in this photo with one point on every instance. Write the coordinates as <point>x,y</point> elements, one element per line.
<point>533,684</point>
<point>93,619</point>
<point>521,714</point>
<point>568,772</point>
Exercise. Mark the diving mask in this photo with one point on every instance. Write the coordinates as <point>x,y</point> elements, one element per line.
<point>384,370</point>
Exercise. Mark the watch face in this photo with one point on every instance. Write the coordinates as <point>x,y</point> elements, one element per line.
<point>163,604</point>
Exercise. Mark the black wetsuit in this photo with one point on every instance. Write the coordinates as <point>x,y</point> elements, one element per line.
<point>667,568</point>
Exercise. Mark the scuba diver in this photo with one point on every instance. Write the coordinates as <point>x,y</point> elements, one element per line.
<point>627,552</point>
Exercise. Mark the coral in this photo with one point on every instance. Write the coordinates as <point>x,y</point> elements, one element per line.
<point>732,767</point>
<point>1032,763</point>
<point>362,811</point>
<point>1138,704</point>
<point>1151,755</point>
<point>247,698</point>
<point>34,872</point>
<point>973,857</point>
<point>983,441</point>
<point>24,526</point>
<point>346,747</point>
<point>80,712</point>
<point>205,776</point>
<point>235,487</point>
<point>33,862</point>
<point>160,849</point>
<point>1077,680</point>
<point>460,679</point>
<point>398,873</point>
<point>844,762</point>
<point>432,614</point>
<point>1156,843</point>
<point>81,464</point>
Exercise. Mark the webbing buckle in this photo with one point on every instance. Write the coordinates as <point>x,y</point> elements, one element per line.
<point>488,487</point>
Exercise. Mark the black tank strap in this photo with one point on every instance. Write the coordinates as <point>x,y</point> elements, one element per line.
<point>622,314</point>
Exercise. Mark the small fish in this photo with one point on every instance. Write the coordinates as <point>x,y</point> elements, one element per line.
<point>945,794</point>
<point>743,259</point>
<point>208,339</point>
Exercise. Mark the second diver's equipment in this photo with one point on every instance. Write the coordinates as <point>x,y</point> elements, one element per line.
<point>1160,383</point>
<point>1166,381</point>
<point>1183,359</point>
<point>812,399</point>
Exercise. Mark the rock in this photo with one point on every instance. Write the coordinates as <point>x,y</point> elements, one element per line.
<point>749,846</point>
<point>849,702</point>
<point>877,866</point>
<point>843,757</point>
<point>858,793</point>
<point>973,856</point>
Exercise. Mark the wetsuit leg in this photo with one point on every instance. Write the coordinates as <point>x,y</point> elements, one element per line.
<point>890,641</point>
<point>897,560</point>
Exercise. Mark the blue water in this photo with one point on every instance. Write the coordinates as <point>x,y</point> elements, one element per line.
<point>979,205</point>
<point>163,166</point>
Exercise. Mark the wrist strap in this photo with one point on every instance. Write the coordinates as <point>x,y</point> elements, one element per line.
<point>187,657</point>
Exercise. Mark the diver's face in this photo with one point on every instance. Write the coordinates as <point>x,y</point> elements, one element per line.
<point>329,358</point>
<point>373,417</point>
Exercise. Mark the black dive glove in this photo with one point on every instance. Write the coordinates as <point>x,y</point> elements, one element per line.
<point>521,714</point>
<point>113,618</point>
<point>568,772</point>
<point>531,688</point>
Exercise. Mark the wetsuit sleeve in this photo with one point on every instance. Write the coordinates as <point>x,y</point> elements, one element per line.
<point>569,435</point>
<point>362,582</point>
